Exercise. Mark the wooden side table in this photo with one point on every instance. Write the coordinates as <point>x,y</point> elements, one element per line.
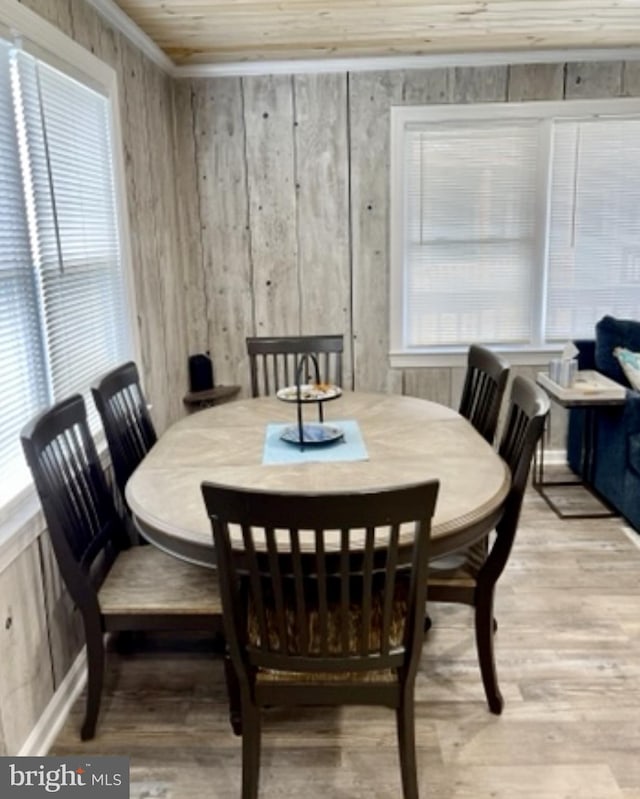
<point>197,400</point>
<point>590,390</point>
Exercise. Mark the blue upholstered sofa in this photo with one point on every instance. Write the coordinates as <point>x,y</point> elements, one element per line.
<point>616,456</point>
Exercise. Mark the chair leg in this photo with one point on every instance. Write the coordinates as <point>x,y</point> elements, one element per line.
<point>95,679</point>
<point>233,694</point>
<point>251,733</point>
<point>485,628</point>
<point>405,722</point>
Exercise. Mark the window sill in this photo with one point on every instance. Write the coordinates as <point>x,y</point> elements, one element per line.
<point>409,360</point>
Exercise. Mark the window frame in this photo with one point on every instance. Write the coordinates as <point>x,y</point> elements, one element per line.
<point>405,117</point>
<point>20,513</point>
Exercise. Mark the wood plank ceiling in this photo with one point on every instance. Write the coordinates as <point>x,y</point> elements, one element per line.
<point>218,31</point>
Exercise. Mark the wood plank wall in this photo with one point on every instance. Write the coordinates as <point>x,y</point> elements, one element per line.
<point>40,634</point>
<point>285,204</point>
<point>263,165</point>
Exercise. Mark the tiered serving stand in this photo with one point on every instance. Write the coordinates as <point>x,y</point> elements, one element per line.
<point>314,433</point>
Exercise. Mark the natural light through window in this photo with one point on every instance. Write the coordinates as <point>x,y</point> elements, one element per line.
<point>514,225</point>
<point>63,304</point>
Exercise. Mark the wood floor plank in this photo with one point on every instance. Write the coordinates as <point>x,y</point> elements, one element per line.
<point>568,659</point>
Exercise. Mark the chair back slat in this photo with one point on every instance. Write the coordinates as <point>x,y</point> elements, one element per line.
<point>392,565</point>
<point>300,599</point>
<point>267,370</point>
<point>129,413</point>
<point>77,492</point>
<point>367,591</point>
<point>526,419</point>
<point>255,578</point>
<point>321,575</point>
<point>321,587</point>
<point>78,505</point>
<point>125,417</point>
<point>484,386</point>
<point>513,441</point>
<point>528,411</point>
<point>61,476</point>
<point>273,360</point>
<point>276,587</point>
<point>482,399</point>
<point>345,590</point>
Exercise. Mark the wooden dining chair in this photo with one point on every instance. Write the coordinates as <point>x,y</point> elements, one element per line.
<point>125,417</point>
<point>273,360</point>
<point>484,387</point>
<point>470,577</point>
<point>323,603</point>
<point>115,587</point>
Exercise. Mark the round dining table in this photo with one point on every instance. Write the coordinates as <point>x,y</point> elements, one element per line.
<point>403,440</point>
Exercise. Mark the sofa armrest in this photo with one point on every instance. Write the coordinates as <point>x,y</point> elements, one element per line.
<point>632,430</point>
<point>618,447</point>
<point>586,353</point>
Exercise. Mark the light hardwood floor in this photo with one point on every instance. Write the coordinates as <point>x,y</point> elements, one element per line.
<point>568,655</point>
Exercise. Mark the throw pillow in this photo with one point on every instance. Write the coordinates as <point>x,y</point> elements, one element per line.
<point>630,363</point>
<point>612,333</point>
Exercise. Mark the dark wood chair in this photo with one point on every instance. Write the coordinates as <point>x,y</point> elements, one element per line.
<point>273,360</point>
<point>484,386</point>
<point>125,417</point>
<point>115,587</point>
<point>323,603</point>
<point>470,577</point>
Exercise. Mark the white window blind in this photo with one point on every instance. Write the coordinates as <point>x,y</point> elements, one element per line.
<point>24,387</point>
<point>594,225</point>
<point>513,224</point>
<point>63,302</point>
<point>470,233</point>
<point>75,236</point>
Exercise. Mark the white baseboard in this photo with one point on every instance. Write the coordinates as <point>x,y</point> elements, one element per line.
<point>632,535</point>
<point>50,722</point>
<point>555,457</point>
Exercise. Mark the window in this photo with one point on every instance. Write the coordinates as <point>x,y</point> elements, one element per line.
<point>63,308</point>
<point>513,224</point>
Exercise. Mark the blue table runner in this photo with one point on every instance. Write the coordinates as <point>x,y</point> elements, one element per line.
<point>349,448</point>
